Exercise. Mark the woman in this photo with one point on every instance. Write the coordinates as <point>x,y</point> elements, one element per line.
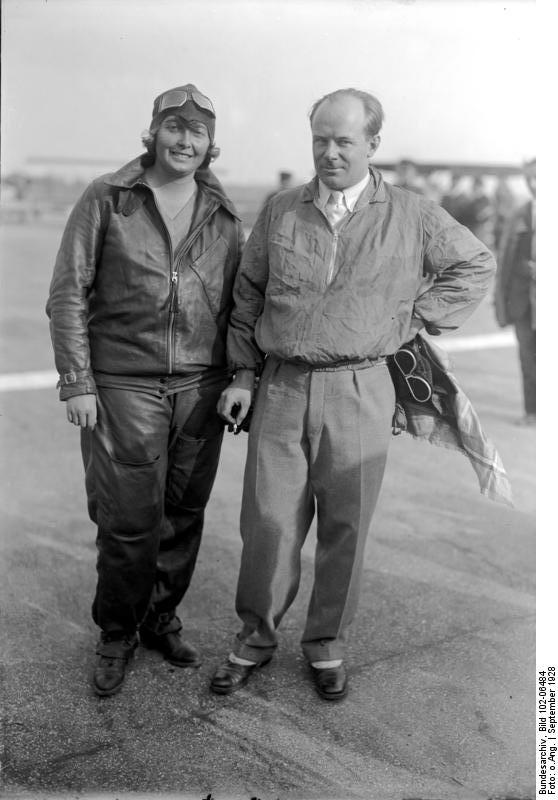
<point>138,306</point>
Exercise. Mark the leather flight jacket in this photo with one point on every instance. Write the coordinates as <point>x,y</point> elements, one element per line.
<point>122,301</point>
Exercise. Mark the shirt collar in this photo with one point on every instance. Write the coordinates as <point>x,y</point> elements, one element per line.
<point>350,194</point>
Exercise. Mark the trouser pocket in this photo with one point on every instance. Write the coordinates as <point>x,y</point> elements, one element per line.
<point>130,495</point>
<point>192,469</point>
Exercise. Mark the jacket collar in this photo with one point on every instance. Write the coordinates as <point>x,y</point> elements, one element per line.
<point>375,192</point>
<point>132,174</point>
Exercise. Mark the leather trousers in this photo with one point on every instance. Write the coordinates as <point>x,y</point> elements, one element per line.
<point>150,466</point>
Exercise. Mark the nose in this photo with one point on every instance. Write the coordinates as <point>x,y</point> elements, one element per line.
<point>331,151</point>
<point>185,137</point>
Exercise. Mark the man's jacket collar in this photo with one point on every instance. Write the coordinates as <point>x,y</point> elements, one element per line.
<point>375,192</point>
<point>132,175</point>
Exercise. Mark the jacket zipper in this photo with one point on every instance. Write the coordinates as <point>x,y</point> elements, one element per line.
<point>173,292</point>
<point>173,308</point>
<point>329,276</point>
<point>172,298</point>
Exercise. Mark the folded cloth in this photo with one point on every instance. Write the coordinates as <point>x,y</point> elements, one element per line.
<point>413,377</point>
<point>448,419</point>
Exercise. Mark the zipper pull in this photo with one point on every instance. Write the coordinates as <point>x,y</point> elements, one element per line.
<point>173,293</point>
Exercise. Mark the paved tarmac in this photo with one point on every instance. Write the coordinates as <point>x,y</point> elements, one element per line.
<point>441,660</point>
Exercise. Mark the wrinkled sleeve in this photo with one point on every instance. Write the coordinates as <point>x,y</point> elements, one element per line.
<point>457,270</point>
<point>67,304</point>
<point>248,296</point>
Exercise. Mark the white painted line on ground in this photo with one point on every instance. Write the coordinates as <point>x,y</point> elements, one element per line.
<point>485,341</point>
<point>18,381</point>
<point>15,381</point>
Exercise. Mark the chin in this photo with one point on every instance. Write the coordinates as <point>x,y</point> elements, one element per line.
<point>333,181</point>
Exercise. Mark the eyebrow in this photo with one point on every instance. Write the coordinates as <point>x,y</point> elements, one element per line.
<point>346,137</point>
<point>190,124</point>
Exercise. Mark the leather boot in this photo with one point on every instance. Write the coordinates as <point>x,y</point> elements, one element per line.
<point>173,648</point>
<point>113,656</point>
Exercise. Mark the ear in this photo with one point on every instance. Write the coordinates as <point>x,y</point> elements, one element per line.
<point>373,144</point>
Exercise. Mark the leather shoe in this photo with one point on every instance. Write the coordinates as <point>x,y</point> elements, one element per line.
<point>176,651</point>
<point>230,677</point>
<point>331,682</point>
<point>110,669</point>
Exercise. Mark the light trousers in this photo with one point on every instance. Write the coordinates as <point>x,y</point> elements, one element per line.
<point>318,444</point>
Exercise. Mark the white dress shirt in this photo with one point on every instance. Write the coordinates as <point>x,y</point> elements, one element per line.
<point>350,194</point>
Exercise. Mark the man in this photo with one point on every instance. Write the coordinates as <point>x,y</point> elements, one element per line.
<point>336,275</point>
<point>477,212</point>
<point>515,290</point>
<point>285,182</point>
<point>504,204</point>
<point>407,176</point>
<point>139,306</point>
<point>455,199</point>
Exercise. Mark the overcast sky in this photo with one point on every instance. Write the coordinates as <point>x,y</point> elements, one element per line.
<point>455,77</point>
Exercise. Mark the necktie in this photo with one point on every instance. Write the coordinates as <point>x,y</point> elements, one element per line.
<point>335,208</point>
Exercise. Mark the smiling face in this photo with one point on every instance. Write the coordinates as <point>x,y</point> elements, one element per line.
<point>340,144</point>
<point>180,146</point>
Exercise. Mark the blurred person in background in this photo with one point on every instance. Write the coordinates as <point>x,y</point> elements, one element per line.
<point>337,274</point>
<point>285,182</point>
<point>476,211</point>
<point>455,198</point>
<point>503,205</point>
<point>407,176</point>
<point>139,305</point>
<point>515,289</point>
<point>434,186</point>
